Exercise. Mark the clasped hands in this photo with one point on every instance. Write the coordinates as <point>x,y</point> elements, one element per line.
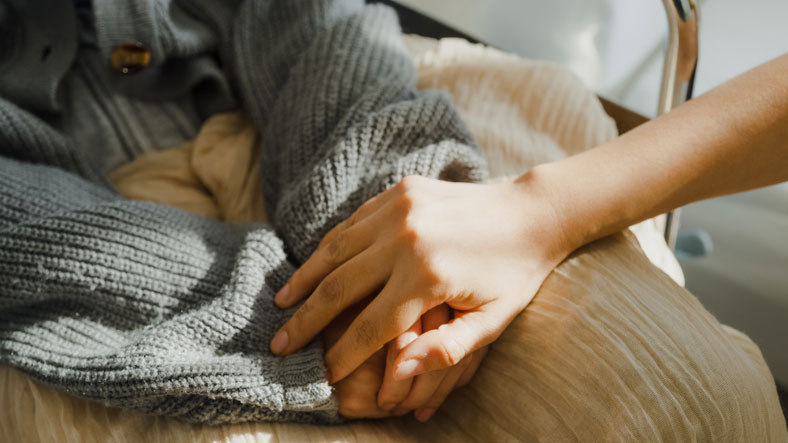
<point>411,289</point>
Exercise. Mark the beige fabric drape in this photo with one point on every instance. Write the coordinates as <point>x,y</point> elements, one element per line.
<point>217,174</point>
<point>611,348</point>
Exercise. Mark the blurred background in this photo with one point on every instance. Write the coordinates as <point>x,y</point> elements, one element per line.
<point>617,47</point>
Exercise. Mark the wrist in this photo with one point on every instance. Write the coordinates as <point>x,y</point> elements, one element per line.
<point>550,217</point>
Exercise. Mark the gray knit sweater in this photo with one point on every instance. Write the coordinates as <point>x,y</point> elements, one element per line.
<point>146,307</point>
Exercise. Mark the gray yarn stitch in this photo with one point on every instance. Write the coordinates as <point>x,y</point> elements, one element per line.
<point>146,307</point>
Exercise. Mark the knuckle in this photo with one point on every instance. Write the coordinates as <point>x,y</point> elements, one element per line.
<point>366,332</point>
<point>331,290</point>
<point>407,200</point>
<point>334,250</point>
<point>411,225</point>
<point>299,319</point>
<point>405,204</point>
<point>354,217</point>
<point>429,269</point>
<point>303,311</point>
<point>328,237</point>
<point>451,352</point>
<point>300,316</point>
<point>411,230</point>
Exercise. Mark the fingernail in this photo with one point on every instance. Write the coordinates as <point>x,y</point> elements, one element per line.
<point>279,343</point>
<point>408,368</point>
<point>388,406</point>
<point>423,415</point>
<point>281,297</point>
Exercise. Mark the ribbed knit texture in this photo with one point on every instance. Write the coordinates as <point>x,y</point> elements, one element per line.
<point>146,307</point>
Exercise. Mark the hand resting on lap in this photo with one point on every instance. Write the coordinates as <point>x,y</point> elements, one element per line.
<point>370,391</point>
<point>428,244</point>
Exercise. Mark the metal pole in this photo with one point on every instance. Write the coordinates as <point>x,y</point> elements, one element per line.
<point>678,74</point>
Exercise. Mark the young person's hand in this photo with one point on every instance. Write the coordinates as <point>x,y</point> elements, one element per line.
<point>481,249</point>
<point>485,249</point>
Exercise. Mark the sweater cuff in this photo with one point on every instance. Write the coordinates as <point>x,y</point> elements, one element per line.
<point>147,307</point>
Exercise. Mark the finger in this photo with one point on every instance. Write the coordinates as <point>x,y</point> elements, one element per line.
<point>337,246</point>
<point>449,382</point>
<point>340,245</point>
<point>337,327</point>
<point>425,385</point>
<point>388,315</point>
<point>435,317</point>
<point>470,371</point>
<point>459,375</point>
<point>449,344</point>
<point>394,391</point>
<point>351,282</point>
<point>367,209</point>
<point>357,393</point>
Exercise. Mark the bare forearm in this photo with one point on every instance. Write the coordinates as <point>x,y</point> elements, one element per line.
<point>732,139</point>
<point>485,249</point>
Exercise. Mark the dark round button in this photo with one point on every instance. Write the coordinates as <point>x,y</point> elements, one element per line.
<point>130,58</point>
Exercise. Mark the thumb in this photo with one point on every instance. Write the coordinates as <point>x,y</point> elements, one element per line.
<point>447,345</point>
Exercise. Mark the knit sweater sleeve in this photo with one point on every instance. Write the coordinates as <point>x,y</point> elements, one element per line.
<point>146,307</point>
<point>333,94</point>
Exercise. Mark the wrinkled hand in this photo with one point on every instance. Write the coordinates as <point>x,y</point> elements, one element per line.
<point>371,392</point>
<point>482,249</point>
<point>425,393</point>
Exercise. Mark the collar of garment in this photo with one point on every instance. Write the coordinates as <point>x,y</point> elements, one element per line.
<point>42,39</point>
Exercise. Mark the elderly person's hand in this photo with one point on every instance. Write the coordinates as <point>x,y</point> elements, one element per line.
<point>370,390</point>
<point>426,392</point>
<point>481,249</point>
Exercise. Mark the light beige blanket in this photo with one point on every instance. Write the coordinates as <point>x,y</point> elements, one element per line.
<point>611,349</point>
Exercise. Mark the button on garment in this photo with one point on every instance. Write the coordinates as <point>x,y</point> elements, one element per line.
<point>130,58</point>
